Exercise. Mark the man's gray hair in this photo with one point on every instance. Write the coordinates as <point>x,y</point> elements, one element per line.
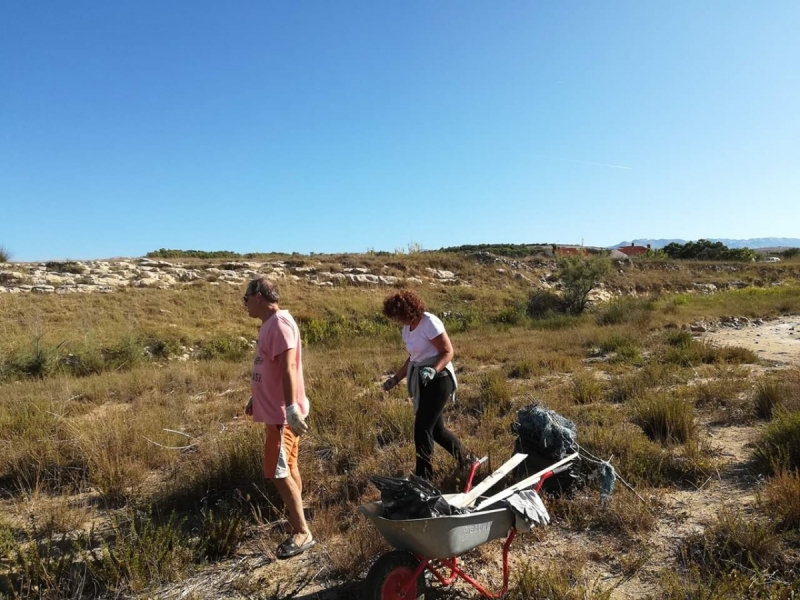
<point>267,289</point>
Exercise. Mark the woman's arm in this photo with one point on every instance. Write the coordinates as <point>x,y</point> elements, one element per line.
<point>401,374</point>
<point>445,347</point>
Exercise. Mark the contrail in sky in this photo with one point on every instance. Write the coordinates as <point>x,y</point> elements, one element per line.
<point>587,162</point>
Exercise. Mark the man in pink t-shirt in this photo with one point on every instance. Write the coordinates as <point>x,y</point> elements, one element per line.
<point>279,401</point>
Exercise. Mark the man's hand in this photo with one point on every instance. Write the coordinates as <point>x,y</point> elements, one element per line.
<point>390,383</point>
<point>248,410</point>
<point>297,422</point>
<point>426,374</point>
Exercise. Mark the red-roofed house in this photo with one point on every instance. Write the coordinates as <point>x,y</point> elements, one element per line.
<point>634,250</point>
<point>570,251</point>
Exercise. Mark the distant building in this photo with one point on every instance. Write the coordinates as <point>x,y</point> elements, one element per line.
<point>634,250</point>
<point>570,251</point>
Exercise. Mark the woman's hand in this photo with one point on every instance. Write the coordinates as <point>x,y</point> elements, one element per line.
<point>426,374</point>
<point>390,383</point>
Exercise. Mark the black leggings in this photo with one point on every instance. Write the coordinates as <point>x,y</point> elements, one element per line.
<point>429,426</point>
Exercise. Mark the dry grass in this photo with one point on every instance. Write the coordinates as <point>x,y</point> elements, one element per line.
<point>781,499</point>
<point>733,541</point>
<point>94,427</point>
<point>779,446</point>
<point>666,419</point>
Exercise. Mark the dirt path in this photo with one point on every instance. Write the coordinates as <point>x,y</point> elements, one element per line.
<point>777,340</point>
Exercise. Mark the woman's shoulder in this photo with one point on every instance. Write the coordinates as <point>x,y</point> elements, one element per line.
<point>433,322</point>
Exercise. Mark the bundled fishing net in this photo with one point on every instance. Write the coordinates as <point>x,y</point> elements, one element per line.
<point>546,432</point>
<point>547,437</point>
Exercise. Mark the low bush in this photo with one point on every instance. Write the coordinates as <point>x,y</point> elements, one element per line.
<point>585,388</point>
<point>644,462</point>
<point>46,568</point>
<point>69,266</point>
<point>493,394</point>
<point>543,304</point>
<point>624,348</point>
<point>5,254</point>
<point>232,348</point>
<point>730,542</point>
<point>779,446</point>
<point>562,582</point>
<point>781,392</point>
<point>224,469</point>
<point>684,351</point>
<point>143,552</point>
<point>622,513</point>
<point>619,311</point>
<point>663,418</point>
<point>781,499</point>
<point>221,531</point>
<point>522,369</point>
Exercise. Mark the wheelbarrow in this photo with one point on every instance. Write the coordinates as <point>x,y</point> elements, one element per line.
<point>435,544</point>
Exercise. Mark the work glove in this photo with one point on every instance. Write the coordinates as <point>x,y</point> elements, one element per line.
<point>297,422</point>
<point>426,374</point>
<point>248,410</point>
<point>390,383</point>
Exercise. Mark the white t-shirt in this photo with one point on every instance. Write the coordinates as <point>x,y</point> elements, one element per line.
<point>418,342</point>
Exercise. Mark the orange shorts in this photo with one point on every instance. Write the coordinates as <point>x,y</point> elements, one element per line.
<point>280,451</point>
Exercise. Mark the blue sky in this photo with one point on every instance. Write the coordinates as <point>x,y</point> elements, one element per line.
<point>342,126</point>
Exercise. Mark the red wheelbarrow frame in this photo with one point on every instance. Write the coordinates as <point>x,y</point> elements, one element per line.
<point>452,563</point>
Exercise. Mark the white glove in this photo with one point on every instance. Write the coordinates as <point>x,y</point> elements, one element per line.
<point>297,422</point>
<point>426,374</point>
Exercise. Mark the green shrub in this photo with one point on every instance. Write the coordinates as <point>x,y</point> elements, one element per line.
<point>45,567</point>
<point>125,354</point>
<point>5,254</point>
<point>585,388</point>
<point>684,351</point>
<point>777,393</point>
<point>665,419</point>
<point>143,552</point>
<point>226,347</point>
<point>225,468</point>
<point>779,446</point>
<point>69,266</point>
<point>781,499</point>
<point>513,314</point>
<point>636,311</point>
<point>563,582</point>
<point>493,394</point>
<point>522,369</point>
<point>543,304</point>
<point>221,532</point>
<point>579,276</point>
<point>624,348</point>
<point>730,542</point>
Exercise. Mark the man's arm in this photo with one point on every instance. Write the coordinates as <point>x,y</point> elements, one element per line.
<point>288,362</point>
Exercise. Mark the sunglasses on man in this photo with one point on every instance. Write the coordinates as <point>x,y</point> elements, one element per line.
<point>246,297</point>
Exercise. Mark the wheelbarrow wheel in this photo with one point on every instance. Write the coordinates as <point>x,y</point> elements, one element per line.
<point>390,574</point>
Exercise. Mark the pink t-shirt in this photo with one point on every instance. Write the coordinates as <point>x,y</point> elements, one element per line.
<point>278,334</point>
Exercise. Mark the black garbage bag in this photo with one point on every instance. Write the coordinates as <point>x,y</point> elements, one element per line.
<point>546,437</point>
<point>412,498</point>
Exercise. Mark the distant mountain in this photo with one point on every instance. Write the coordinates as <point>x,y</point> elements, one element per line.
<point>770,242</point>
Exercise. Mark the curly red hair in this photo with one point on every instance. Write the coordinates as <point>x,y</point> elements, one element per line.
<point>404,305</point>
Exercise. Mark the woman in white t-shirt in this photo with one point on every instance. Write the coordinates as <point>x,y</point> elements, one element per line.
<point>431,379</point>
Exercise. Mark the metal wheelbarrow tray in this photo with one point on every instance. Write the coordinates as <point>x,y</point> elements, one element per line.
<point>434,544</point>
<point>441,537</point>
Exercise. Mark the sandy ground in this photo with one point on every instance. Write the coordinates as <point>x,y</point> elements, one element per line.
<point>777,340</point>
<point>682,512</point>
